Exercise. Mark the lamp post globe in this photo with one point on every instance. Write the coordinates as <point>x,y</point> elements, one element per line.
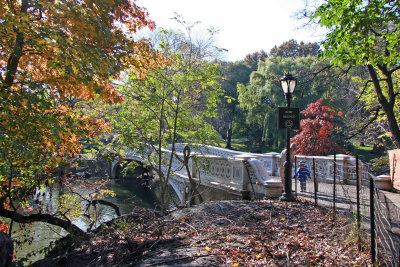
<point>288,84</point>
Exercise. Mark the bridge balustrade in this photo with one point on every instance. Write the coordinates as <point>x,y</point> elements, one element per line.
<point>270,159</point>
<point>225,165</point>
<point>230,170</point>
<point>324,168</point>
<point>228,173</point>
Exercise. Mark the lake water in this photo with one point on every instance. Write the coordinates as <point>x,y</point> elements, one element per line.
<point>129,193</point>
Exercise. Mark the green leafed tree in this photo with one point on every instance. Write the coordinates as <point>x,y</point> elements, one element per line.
<point>367,33</point>
<point>263,94</point>
<point>171,103</point>
<point>228,109</point>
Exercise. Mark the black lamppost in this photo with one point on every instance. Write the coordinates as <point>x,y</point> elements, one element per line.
<point>288,83</point>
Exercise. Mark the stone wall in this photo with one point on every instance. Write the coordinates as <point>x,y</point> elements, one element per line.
<point>394,160</point>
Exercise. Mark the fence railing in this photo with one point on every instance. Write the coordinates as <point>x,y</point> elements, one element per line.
<point>345,185</point>
<point>340,182</point>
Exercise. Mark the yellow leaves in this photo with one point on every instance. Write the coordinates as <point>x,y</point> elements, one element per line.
<point>107,193</point>
<point>207,248</point>
<point>70,205</point>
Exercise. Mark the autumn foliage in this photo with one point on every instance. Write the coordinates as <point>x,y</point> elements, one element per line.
<point>54,54</point>
<point>228,233</point>
<point>314,138</point>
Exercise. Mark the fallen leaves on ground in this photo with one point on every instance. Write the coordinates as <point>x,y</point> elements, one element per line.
<point>230,233</point>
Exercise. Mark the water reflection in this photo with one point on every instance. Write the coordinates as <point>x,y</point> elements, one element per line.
<point>129,193</point>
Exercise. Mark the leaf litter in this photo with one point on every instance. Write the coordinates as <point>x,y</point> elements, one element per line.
<point>227,233</point>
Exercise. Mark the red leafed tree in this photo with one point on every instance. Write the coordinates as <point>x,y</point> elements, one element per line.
<point>314,138</point>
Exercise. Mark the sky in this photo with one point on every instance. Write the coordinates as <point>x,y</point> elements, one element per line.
<point>245,26</point>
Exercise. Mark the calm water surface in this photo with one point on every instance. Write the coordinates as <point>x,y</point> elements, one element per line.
<point>129,193</point>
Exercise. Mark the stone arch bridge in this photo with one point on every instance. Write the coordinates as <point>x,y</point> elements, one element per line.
<point>226,174</point>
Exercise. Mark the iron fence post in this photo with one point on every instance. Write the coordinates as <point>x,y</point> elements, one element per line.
<point>295,175</point>
<point>334,182</point>
<point>315,183</point>
<point>372,215</point>
<point>358,203</point>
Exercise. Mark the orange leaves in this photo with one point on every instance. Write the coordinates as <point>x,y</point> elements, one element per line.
<point>110,92</point>
<point>4,227</point>
<point>29,209</point>
<point>76,49</point>
<point>15,182</point>
<point>53,55</point>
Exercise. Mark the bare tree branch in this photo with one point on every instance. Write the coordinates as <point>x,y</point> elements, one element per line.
<point>47,218</point>
<point>106,203</point>
<point>371,120</point>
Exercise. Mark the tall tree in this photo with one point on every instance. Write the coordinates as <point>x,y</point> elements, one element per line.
<point>293,49</point>
<point>233,73</point>
<point>252,59</point>
<point>170,104</point>
<point>263,94</point>
<point>367,33</point>
<point>52,54</point>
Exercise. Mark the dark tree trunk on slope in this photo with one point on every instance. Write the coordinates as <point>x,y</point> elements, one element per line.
<point>229,136</point>
<point>47,218</point>
<point>386,103</point>
<point>6,250</point>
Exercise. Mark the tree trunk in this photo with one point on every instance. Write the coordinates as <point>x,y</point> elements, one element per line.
<point>16,54</point>
<point>229,136</point>
<point>195,193</point>
<point>47,218</point>
<point>107,203</point>
<point>387,105</point>
<point>6,250</point>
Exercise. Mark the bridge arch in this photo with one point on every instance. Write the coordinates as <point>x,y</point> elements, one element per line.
<point>117,167</point>
<point>179,188</point>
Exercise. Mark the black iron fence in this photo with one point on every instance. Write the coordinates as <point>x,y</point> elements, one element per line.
<point>375,216</point>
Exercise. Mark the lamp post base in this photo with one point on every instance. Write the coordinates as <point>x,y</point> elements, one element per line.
<point>287,197</point>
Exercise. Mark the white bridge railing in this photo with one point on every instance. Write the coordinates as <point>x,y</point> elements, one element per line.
<point>249,173</point>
